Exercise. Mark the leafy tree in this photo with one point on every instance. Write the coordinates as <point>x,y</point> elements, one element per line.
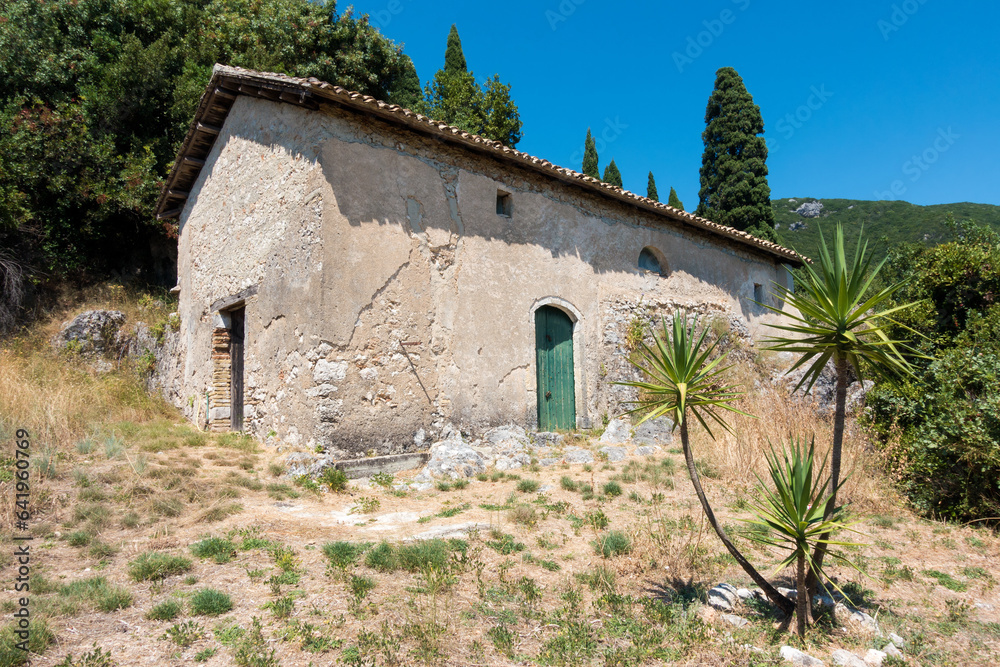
<point>734,189</point>
<point>651,188</point>
<point>675,201</point>
<point>96,96</point>
<point>683,379</point>
<point>837,316</point>
<point>947,416</point>
<point>612,176</point>
<point>590,167</point>
<point>455,98</point>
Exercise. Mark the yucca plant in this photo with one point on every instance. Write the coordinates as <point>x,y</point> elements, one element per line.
<point>682,378</point>
<point>834,316</point>
<point>792,509</point>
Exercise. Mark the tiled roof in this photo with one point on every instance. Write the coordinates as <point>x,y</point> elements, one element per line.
<point>227,83</point>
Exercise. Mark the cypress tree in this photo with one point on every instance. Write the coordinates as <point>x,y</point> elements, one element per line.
<point>734,189</point>
<point>407,92</point>
<point>651,192</point>
<point>454,58</point>
<point>612,176</point>
<point>675,201</point>
<point>455,98</point>
<point>590,167</point>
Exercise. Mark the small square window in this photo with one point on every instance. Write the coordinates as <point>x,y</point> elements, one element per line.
<point>505,204</point>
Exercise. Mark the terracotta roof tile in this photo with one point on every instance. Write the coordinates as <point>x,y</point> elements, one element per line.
<point>322,91</point>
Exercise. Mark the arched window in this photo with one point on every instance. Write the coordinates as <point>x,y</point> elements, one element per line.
<point>650,259</point>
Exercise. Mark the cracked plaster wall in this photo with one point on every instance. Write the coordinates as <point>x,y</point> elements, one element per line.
<point>392,299</point>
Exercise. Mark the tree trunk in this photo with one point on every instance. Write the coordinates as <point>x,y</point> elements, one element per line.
<point>839,416</point>
<point>783,603</point>
<point>801,599</point>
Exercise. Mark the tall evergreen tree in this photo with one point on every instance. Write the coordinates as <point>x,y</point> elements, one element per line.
<point>612,176</point>
<point>455,98</point>
<point>675,201</point>
<point>454,58</point>
<point>590,167</point>
<point>407,92</point>
<point>651,192</point>
<point>734,189</point>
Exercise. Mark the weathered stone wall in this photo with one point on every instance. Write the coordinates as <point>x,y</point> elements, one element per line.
<point>392,299</point>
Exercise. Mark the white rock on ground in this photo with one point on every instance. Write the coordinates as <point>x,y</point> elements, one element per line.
<point>897,640</point>
<point>798,658</point>
<point>874,658</point>
<point>846,659</point>
<point>734,620</point>
<point>614,454</point>
<point>618,430</point>
<point>892,650</point>
<point>723,597</point>
<point>579,456</point>
<point>657,431</point>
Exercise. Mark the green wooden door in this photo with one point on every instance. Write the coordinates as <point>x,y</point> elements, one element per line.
<point>554,363</point>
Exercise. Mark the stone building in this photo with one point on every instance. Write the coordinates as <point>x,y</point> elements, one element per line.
<point>357,276</point>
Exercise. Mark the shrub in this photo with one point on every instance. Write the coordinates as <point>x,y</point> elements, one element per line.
<point>210,602</point>
<point>334,479</point>
<point>382,558</point>
<point>343,554</point>
<point>80,538</point>
<point>523,514</point>
<point>165,611</point>
<point>157,565</point>
<point>528,485</point>
<point>184,634</point>
<point>613,543</point>
<point>569,484</point>
<point>612,489</point>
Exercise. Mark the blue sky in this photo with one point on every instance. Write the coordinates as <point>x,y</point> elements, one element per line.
<point>861,100</point>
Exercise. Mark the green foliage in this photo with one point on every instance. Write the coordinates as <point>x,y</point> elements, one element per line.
<point>528,485</point>
<point>165,611</point>
<point>219,549</point>
<point>590,165</point>
<point>613,543</point>
<point>612,176</point>
<point>97,592</point>
<point>674,201</point>
<point>734,189</point>
<point>456,98</point>
<point>184,634</point>
<point>893,223</point>
<point>344,554</point>
<point>682,377</point>
<point>96,657</point>
<point>947,415</point>
<point>612,489</point>
<point>334,479</point>
<point>96,95</point>
<point>210,602</point>
<point>156,565</point>
<point>39,639</point>
<point>651,192</point>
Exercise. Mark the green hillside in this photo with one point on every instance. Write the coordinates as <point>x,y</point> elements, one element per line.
<point>886,223</point>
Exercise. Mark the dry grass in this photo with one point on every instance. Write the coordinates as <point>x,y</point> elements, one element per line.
<point>526,589</point>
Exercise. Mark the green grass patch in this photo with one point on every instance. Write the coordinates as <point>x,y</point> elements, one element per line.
<point>218,549</point>
<point>97,592</point>
<point>612,543</point>
<point>157,565</point>
<point>210,602</point>
<point>165,611</point>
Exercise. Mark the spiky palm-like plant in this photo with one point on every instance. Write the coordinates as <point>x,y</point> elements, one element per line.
<point>836,318</point>
<point>793,510</point>
<point>683,379</point>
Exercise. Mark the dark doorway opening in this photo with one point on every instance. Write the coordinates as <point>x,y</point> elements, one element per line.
<point>237,334</point>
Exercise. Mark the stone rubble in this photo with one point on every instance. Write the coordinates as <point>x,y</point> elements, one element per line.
<point>798,658</point>
<point>723,597</point>
<point>845,658</point>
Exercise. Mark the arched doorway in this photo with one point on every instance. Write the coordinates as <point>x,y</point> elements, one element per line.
<point>554,366</point>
